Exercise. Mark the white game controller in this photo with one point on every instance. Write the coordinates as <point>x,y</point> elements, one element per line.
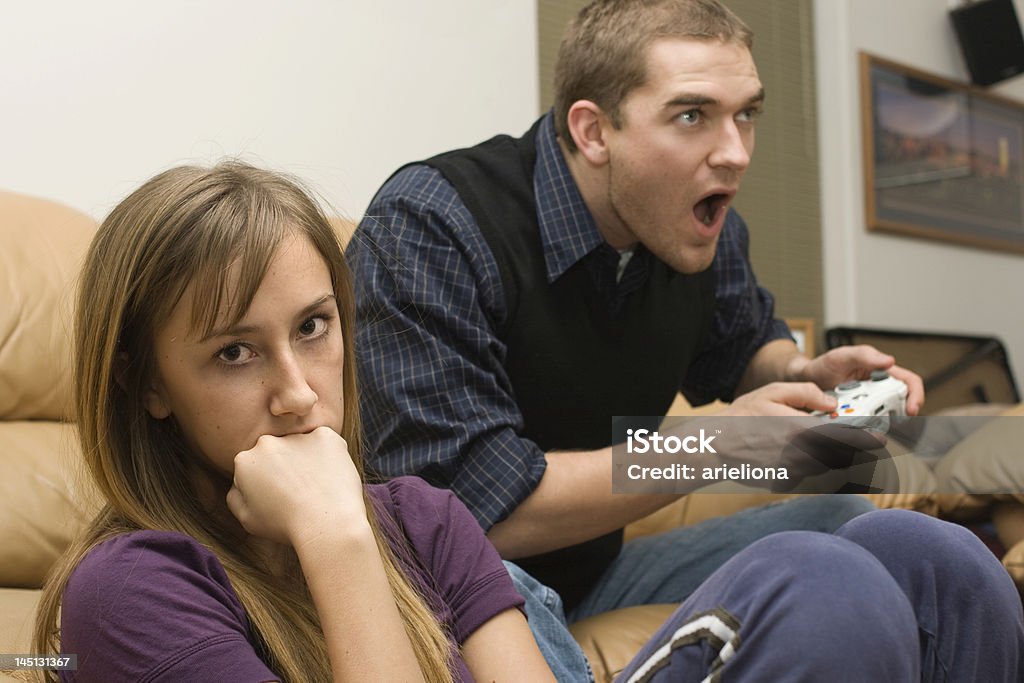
<point>869,403</point>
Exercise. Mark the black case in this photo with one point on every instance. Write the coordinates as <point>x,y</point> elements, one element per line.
<point>990,39</point>
<point>957,369</point>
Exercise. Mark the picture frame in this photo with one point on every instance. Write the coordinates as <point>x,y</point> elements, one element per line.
<point>942,160</point>
<point>802,330</point>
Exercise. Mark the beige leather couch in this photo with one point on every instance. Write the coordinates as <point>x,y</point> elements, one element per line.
<point>41,244</point>
<point>44,497</point>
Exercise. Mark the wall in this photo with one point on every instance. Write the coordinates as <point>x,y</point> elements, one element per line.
<point>877,280</point>
<point>98,96</point>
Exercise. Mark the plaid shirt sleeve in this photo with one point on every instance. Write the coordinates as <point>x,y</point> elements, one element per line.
<point>744,320</point>
<point>434,395</point>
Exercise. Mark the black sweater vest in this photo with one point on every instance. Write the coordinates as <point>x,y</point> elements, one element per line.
<point>572,363</point>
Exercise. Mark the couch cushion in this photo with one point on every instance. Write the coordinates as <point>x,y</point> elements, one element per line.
<point>611,640</point>
<point>1013,560</point>
<point>18,607</point>
<point>41,247</point>
<point>44,498</point>
<point>985,467</point>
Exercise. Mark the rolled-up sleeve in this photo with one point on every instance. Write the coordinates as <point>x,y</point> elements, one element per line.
<point>744,320</point>
<point>434,396</point>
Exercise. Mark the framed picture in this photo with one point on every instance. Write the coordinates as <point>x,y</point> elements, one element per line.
<point>942,160</point>
<point>803,333</point>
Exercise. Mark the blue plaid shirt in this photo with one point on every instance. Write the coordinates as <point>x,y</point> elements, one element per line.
<point>435,398</point>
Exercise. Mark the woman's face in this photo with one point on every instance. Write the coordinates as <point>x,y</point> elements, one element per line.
<point>278,371</point>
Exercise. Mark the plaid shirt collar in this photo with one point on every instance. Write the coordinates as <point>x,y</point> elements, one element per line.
<point>567,229</point>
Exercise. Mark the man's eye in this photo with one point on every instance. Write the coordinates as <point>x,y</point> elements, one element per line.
<point>690,117</point>
<point>749,115</point>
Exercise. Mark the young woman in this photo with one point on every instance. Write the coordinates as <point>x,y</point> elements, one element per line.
<point>217,409</point>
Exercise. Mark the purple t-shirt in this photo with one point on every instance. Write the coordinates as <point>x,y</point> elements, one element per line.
<point>158,606</point>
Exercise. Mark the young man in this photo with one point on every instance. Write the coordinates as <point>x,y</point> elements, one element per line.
<point>516,295</point>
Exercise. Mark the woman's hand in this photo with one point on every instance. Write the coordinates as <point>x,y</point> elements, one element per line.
<point>289,489</point>
<point>303,490</point>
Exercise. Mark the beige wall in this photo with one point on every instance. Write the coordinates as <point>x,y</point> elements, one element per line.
<point>99,95</point>
<point>883,280</point>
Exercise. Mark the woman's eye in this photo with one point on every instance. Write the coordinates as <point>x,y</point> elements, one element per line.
<point>313,327</point>
<point>234,354</point>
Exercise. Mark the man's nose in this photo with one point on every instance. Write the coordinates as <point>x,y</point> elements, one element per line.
<point>733,147</point>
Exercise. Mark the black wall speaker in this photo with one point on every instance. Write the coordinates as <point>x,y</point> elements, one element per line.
<point>990,39</point>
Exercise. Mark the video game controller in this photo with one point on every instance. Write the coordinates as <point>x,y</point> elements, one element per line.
<point>869,403</point>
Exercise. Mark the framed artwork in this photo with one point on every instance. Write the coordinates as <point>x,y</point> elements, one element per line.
<point>942,160</point>
<point>803,333</point>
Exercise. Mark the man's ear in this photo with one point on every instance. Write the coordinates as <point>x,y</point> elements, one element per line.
<point>152,399</point>
<point>587,125</point>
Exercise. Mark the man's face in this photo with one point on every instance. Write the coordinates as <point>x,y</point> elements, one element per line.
<point>685,140</point>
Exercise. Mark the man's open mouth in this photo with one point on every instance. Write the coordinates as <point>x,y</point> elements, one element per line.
<point>708,208</point>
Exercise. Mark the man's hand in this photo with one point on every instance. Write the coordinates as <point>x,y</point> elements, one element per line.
<point>781,398</point>
<point>816,454</point>
<point>847,363</point>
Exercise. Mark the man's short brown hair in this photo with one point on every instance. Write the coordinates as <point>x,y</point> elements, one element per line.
<point>603,55</point>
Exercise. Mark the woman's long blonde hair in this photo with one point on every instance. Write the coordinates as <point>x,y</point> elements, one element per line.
<point>188,225</point>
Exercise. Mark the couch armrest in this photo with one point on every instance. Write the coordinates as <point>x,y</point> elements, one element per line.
<point>17,619</point>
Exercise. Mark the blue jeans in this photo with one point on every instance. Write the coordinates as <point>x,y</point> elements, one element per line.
<point>667,568</point>
<point>547,622</point>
